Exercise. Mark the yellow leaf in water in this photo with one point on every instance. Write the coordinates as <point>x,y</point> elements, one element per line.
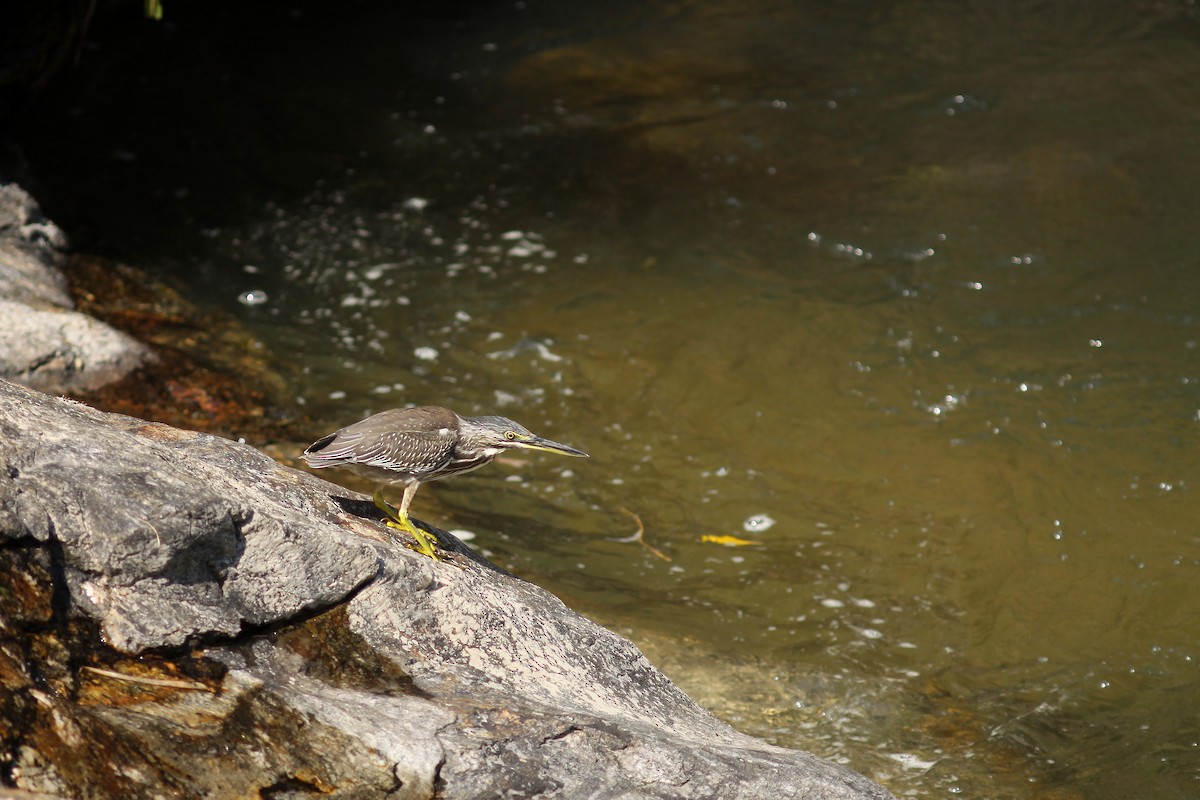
<point>732,541</point>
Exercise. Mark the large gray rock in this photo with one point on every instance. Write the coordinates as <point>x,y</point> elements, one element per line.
<point>44,343</point>
<point>324,657</point>
<point>31,251</point>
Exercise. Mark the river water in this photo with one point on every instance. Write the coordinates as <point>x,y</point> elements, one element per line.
<point>880,319</point>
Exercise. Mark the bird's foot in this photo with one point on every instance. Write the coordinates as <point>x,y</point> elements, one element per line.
<point>398,520</point>
<point>425,544</point>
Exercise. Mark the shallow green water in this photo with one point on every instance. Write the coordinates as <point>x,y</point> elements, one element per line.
<point>906,293</point>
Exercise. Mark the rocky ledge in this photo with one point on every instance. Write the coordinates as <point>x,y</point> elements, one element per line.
<point>44,341</point>
<point>184,617</point>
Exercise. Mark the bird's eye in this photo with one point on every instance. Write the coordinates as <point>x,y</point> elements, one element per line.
<point>510,435</point>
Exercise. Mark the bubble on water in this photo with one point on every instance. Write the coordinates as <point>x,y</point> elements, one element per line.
<point>426,353</point>
<point>758,523</point>
<point>851,250</point>
<point>253,297</point>
<point>416,203</point>
<point>945,405</point>
<point>919,254</point>
<point>961,104</point>
<point>462,534</point>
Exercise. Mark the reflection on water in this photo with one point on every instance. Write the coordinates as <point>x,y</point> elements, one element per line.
<point>914,282</point>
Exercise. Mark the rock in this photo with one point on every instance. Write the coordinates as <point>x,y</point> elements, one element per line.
<point>44,343</point>
<point>31,250</point>
<point>63,351</point>
<point>186,617</point>
<point>116,337</point>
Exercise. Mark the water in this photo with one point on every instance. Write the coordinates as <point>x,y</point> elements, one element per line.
<point>914,282</point>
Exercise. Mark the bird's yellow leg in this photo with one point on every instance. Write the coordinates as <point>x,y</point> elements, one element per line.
<point>398,519</point>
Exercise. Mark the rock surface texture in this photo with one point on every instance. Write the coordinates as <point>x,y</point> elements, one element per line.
<point>180,616</point>
<point>44,343</point>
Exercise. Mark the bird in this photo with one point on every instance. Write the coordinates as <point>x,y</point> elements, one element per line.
<point>411,446</point>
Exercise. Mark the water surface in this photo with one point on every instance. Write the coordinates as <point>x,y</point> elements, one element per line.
<point>903,294</point>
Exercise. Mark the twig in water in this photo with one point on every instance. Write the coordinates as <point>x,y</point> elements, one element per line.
<point>637,537</point>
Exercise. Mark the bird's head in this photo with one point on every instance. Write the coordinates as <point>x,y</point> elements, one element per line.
<point>494,434</point>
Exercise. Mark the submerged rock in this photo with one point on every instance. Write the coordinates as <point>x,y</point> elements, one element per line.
<point>184,617</point>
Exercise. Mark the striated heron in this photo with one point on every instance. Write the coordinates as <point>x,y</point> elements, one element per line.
<point>411,446</point>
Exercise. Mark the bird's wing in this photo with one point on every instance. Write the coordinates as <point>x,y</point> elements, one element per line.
<point>416,452</point>
<point>416,441</point>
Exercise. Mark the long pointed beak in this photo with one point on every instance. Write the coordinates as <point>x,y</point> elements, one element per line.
<point>538,443</point>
